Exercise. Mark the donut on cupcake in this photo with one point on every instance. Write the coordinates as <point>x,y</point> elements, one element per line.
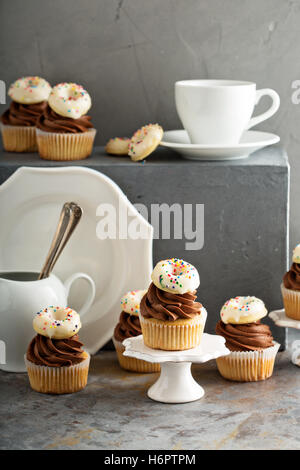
<point>55,360</point>
<point>171,318</point>
<point>253,349</point>
<point>29,100</point>
<point>64,130</point>
<point>128,327</point>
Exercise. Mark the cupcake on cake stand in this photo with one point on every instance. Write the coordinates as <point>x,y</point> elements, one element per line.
<point>176,383</point>
<point>280,319</point>
<point>172,324</point>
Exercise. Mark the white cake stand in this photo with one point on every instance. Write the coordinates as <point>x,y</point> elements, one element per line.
<point>280,319</point>
<point>176,383</point>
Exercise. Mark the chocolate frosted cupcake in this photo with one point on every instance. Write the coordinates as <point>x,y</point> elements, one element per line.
<point>55,360</point>
<point>290,287</point>
<point>251,342</point>
<point>128,327</point>
<point>29,95</point>
<point>171,319</point>
<point>64,131</point>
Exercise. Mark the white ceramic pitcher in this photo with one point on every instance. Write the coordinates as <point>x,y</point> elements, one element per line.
<point>21,296</point>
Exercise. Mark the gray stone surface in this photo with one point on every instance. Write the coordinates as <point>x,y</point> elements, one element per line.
<point>113,412</point>
<point>129,53</point>
<point>245,218</point>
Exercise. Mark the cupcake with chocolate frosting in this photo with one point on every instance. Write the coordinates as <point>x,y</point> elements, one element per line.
<point>64,130</point>
<point>29,100</point>
<point>253,349</point>
<point>171,318</point>
<point>290,287</point>
<point>128,327</point>
<point>55,360</point>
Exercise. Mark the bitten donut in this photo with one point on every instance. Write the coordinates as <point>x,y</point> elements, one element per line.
<point>69,100</point>
<point>131,301</point>
<point>175,276</point>
<point>145,141</point>
<point>117,146</point>
<point>241,310</point>
<point>29,90</point>
<point>57,322</point>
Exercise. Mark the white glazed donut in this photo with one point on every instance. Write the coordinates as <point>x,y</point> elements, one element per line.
<point>145,141</point>
<point>29,90</point>
<point>296,254</point>
<point>69,100</point>
<point>241,310</point>
<point>57,322</point>
<point>131,301</point>
<point>175,276</point>
<point>117,146</point>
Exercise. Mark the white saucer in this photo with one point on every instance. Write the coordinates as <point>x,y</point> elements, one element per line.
<point>251,141</point>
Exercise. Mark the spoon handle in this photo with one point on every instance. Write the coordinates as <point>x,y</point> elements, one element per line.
<point>58,236</point>
<point>75,216</point>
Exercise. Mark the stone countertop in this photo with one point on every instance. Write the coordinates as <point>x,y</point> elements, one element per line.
<point>113,412</point>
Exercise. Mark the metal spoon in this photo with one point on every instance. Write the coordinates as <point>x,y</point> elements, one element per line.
<point>69,218</point>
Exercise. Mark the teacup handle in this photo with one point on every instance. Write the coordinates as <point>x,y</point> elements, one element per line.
<point>272,110</point>
<point>90,299</point>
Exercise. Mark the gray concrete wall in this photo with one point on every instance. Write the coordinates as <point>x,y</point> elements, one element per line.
<point>129,53</point>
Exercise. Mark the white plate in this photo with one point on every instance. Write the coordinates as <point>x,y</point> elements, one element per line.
<point>251,141</point>
<point>30,204</point>
<point>176,383</point>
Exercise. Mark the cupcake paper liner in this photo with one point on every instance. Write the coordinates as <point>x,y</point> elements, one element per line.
<point>55,146</point>
<point>58,380</point>
<point>291,301</point>
<point>175,335</point>
<point>131,363</point>
<point>248,366</point>
<point>19,138</point>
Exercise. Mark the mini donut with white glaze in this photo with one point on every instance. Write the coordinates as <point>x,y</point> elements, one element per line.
<point>242,310</point>
<point>57,322</point>
<point>69,100</point>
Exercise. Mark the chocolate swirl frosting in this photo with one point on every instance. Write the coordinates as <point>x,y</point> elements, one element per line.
<point>45,351</point>
<point>23,114</point>
<point>291,279</point>
<point>165,306</point>
<point>246,337</point>
<point>50,121</point>
<point>128,326</point>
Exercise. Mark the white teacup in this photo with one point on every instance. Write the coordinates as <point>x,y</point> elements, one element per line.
<point>22,295</point>
<point>219,111</point>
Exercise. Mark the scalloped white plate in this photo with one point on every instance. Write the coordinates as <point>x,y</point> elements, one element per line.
<point>30,204</point>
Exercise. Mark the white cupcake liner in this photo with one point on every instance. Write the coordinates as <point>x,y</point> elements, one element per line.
<point>173,336</point>
<point>248,366</point>
<point>131,363</point>
<point>64,146</point>
<point>18,138</point>
<point>291,300</point>
<point>58,380</point>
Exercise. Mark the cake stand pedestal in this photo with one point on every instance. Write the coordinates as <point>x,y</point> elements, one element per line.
<point>280,319</point>
<point>176,383</point>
